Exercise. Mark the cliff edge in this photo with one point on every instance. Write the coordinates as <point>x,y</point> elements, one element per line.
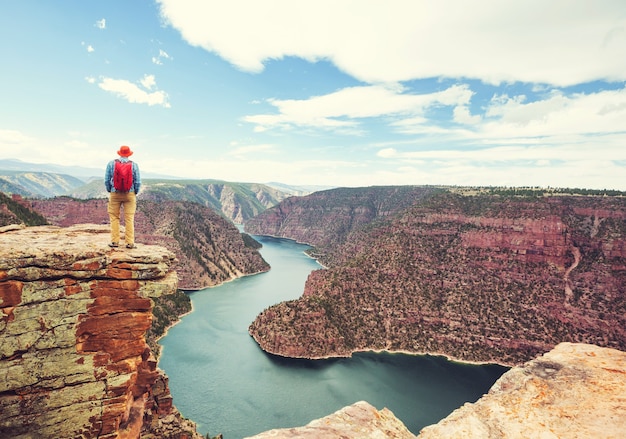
<point>573,391</point>
<point>73,356</point>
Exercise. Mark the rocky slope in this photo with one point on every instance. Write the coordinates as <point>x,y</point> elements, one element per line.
<point>476,278</point>
<point>357,421</point>
<point>573,391</point>
<point>73,356</point>
<point>33,183</point>
<point>15,210</point>
<point>326,218</point>
<point>209,248</point>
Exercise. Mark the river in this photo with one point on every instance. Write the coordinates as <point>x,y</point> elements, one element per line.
<point>224,382</point>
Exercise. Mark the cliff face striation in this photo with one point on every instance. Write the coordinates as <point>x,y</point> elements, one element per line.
<point>573,391</point>
<point>476,278</point>
<point>209,248</point>
<point>325,218</point>
<point>73,357</point>
<point>357,421</point>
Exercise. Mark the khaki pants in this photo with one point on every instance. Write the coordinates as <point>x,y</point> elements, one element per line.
<point>116,201</point>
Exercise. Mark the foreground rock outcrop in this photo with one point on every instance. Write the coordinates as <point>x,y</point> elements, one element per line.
<point>573,391</point>
<point>73,357</point>
<point>485,278</point>
<point>357,421</point>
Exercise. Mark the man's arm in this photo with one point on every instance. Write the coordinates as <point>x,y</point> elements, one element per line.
<point>108,175</point>
<point>136,178</point>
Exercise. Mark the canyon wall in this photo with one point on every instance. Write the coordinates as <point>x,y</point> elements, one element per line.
<point>209,248</point>
<point>325,218</point>
<point>73,356</point>
<point>476,278</point>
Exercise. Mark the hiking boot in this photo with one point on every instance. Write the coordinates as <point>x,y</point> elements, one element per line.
<point>131,246</point>
<point>113,244</point>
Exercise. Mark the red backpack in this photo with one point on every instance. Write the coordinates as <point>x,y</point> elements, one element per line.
<point>123,176</point>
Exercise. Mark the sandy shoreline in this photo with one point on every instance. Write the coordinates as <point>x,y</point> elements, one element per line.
<point>399,352</point>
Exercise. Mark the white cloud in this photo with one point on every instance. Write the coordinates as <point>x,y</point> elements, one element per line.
<point>88,47</point>
<point>133,93</point>
<point>259,170</point>
<point>101,24</point>
<point>504,167</point>
<point>387,153</point>
<point>148,82</point>
<point>462,115</point>
<point>12,137</point>
<point>560,43</point>
<point>251,150</point>
<point>158,60</point>
<point>557,115</point>
<point>562,140</point>
<point>513,153</point>
<point>77,146</point>
<point>341,109</point>
<point>29,147</point>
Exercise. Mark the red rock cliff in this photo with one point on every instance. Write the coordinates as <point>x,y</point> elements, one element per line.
<point>478,278</point>
<point>73,357</point>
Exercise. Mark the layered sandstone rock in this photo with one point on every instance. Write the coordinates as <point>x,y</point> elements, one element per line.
<point>573,391</point>
<point>73,357</point>
<point>358,421</point>
<point>326,218</point>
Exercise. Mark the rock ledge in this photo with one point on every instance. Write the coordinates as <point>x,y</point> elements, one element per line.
<point>73,357</point>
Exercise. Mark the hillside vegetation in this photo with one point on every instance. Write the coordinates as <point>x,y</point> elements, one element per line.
<point>37,184</point>
<point>488,278</point>
<point>15,211</point>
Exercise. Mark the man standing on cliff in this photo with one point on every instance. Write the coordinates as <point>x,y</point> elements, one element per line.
<point>122,182</point>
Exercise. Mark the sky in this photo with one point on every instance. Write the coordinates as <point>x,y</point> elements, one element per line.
<point>334,93</point>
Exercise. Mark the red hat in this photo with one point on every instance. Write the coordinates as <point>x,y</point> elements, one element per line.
<point>125,151</point>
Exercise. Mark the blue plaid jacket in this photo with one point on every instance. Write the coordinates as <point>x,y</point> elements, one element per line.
<point>108,176</point>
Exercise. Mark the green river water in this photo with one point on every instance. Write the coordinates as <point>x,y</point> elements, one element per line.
<point>223,381</point>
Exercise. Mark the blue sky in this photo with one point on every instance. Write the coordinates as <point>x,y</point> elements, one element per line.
<point>341,93</point>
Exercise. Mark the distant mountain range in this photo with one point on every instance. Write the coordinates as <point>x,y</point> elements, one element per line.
<point>237,201</point>
<point>80,172</point>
